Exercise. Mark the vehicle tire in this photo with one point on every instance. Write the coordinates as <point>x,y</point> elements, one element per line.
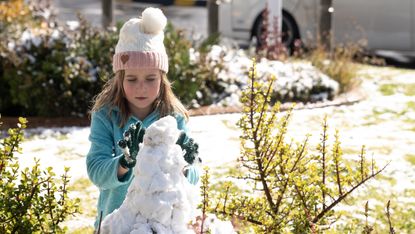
<point>289,30</point>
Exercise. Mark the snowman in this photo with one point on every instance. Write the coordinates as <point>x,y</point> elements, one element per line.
<point>160,199</point>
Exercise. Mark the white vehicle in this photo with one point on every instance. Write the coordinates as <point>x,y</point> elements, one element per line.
<point>385,25</point>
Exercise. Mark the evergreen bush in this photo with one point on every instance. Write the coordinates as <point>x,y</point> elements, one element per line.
<point>192,72</point>
<point>52,70</point>
<point>32,199</point>
<point>49,70</point>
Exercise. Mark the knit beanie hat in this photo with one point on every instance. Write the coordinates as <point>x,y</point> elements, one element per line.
<point>140,44</point>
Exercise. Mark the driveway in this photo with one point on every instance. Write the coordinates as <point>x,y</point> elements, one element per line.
<point>193,19</point>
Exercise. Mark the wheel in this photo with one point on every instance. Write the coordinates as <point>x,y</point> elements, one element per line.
<point>289,30</point>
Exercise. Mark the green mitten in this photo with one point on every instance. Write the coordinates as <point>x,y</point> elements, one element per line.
<point>130,144</point>
<point>190,147</point>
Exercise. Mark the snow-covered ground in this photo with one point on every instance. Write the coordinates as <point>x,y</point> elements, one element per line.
<point>384,123</point>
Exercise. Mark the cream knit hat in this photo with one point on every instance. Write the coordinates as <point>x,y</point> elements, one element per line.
<point>140,44</point>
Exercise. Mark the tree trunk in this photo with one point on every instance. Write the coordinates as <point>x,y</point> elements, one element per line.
<point>107,13</point>
<point>213,17</point>
<point>325,30</point>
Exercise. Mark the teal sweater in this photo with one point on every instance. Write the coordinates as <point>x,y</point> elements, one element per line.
<point>103,157</point>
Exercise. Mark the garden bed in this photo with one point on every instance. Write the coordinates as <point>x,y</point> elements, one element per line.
<point>47,122</point>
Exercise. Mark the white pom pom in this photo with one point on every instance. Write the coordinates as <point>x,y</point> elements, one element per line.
<point>153,20</point>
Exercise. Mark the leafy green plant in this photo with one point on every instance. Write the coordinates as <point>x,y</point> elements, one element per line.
<point>204,188</point>
<point>12,13</point>
<point>192,72</point>
<point>294,190</point>
<point>97,46</point>
<point>32,200</point>
<point>50,70</point>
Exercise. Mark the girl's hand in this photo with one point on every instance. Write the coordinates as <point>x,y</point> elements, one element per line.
<point>130,144</point>
<point>190,147</point>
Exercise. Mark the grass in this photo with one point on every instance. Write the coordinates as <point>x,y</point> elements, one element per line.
<point>385,73</point>
<point>82,188</point>
<point>387,179</point>
<point>36,134</point>
<point>67,153</point>
<point>382,149</point>
<point>373,119</point>
<point>230,124</point>
<point>38,149</point>
<point>393,88</point>
<point>410,122</point>
<point>62,137</point>
<point>82,230</point>
<point>376,116</point>
<point>409,89</point>
<point>80,184</point>
<point>410,105</point>
<point>402,212</point>
<point>388,89</point>
<point>410,158</point>
<point>351,151</point>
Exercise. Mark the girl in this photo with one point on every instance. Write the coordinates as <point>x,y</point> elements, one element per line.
<point>138,95</point>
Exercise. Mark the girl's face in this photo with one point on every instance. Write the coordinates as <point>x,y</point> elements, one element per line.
<point>141,87</point>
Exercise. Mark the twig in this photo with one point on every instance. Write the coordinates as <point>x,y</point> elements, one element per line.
<point>323,159</point>
<point>391,229</point>
<point>339,199</point>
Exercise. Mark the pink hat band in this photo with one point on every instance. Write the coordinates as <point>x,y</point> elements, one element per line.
<point>140,59</point>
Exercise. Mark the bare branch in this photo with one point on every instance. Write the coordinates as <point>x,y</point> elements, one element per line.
<point>323,161</point>
<point>391,229</point>
<point>340,198</point>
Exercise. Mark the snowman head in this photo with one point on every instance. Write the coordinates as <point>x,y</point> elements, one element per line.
<point>163,131</point>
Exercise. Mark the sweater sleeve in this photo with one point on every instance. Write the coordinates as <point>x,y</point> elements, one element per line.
<point>193,171</point>
<point>181,123</point>
<point>102,166</point>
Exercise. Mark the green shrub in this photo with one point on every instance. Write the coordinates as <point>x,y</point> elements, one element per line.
<point>32,200</point>
<point>50,70</point>
<point>55,71</point>
<point>291,189</point>
<point>12,13</point>
<point>192,72</point>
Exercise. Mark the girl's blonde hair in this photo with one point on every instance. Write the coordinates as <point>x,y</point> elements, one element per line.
<point>113,95</point>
